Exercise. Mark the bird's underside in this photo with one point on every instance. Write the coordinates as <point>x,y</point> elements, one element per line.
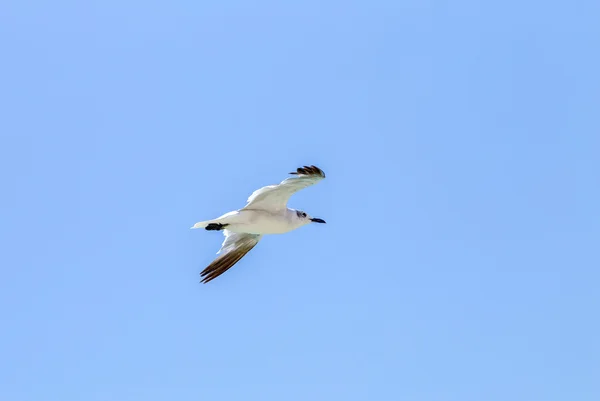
<point>265,213</point>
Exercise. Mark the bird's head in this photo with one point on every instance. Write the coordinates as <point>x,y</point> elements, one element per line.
<point>305,218</point>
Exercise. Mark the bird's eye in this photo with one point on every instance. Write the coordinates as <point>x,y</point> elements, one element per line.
<point>303,214</point>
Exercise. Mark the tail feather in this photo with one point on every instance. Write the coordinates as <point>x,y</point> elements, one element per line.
<point>225,219</point>
<point>201,224</point>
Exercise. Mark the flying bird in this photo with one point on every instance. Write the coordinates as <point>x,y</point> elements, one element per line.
<point>266,212</point>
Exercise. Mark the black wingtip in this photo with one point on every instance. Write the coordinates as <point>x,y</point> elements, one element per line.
<point>309,170</point>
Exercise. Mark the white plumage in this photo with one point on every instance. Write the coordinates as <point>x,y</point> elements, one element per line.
<point>265,213</point>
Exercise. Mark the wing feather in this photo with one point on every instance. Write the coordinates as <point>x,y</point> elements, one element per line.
<point>235,246</point>
<point>275,197</point>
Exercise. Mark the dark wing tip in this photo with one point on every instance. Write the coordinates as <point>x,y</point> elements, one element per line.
<point>224,263</point>
<point>309,170</point>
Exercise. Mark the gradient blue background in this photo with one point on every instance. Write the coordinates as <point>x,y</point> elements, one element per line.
<point>460,140</point>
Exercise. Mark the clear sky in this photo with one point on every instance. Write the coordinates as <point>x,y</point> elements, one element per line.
<point>461,256</point>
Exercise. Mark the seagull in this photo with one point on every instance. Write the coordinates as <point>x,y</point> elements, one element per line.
<point>266,212</point>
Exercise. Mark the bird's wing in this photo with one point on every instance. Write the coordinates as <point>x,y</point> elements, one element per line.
<point>275,197</point>
<point>234,248</point>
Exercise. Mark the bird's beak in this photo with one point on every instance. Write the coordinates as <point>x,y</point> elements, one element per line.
<point>315,220</point>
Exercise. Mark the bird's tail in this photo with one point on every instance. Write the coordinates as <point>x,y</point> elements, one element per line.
<point>201,224</point>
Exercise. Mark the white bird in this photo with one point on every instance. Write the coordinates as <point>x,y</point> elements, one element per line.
<point>265,213</point>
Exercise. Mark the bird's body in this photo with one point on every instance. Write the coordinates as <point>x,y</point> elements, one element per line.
<point>265,213</point>
<point>257,221</point>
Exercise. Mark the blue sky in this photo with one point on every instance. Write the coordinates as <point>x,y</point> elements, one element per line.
<point>460,141</point>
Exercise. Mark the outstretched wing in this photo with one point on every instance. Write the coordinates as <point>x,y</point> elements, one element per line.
<point>275,197</point>
<point>234,248</point>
